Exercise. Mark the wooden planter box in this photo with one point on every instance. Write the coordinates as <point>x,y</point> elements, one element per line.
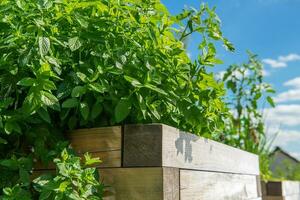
<point>159,162</point>
<point>281,190</point>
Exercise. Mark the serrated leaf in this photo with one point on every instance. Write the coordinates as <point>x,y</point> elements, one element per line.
<point>48,99</point>
<point>70,103</point>
<point>26,81</point>
<point>84,110</point>
<point>44,45</point>
<point>74,43</point>
<point>122,109</point>
<point>78,91</point>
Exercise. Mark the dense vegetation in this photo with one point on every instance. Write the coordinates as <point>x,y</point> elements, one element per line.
<point>66,64</point>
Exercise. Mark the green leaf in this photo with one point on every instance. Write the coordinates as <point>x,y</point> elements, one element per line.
<point>11,126</point>
<point>154,88</point>
<point>90,161</point>
<point>70,103</point>
<point>44,45</point>
<point>26,81</point>
<point>96,110</point>
<point>43,113</point>
<point>48,85</point>
<point>84,110</point>
<point>48,99</point>
<point>133,81</point>
<point>72,122</point>
<point>270,101</point>
<point>122,109</point>
<point>10,163</point>
<point>74,43</point>
<point>78,91</point>
<point>97,87</point>
<point>3,141</point>
<point>82,77</point>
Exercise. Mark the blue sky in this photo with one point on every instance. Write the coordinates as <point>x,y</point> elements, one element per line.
<point>271,29</point>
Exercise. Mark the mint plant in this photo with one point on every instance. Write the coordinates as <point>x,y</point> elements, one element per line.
<point>72,181</point>
<point>67,64</point>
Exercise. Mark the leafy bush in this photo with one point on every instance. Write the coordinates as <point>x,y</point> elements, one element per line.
<point>73,181</point>
<point>247,90</point>
<point>66,64</point>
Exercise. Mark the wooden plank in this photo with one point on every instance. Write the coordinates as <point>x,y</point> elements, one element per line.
<point>264,188</point>
<point>104,142</point>
<point>162,145</point>
<point>96,139</point>
<point>283,188</point>
<point>141,183</point>
<point>199,185</point>
<point>291,197</point>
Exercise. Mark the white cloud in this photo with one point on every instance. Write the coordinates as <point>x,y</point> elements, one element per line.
<point>274,63</point>
<point>282,60</point>
<point>289,58</point>
<point>285,115</point>
<point>290,95</point>
<point>293,82</point>
<point>284,137</point>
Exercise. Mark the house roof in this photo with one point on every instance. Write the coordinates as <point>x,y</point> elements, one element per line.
<point>278,149</point>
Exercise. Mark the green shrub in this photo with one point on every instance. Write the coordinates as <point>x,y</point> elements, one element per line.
<point>66,64</point>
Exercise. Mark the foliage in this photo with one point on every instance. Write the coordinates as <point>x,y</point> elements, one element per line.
<point>287,171</point>
<point>247,90</point>
<point>66,64</point>
<point>73,181</point>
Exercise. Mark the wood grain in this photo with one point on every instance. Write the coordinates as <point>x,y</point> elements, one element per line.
<point>96,139</point>
<point>140,183</point>
<point>200,185</point>
<point>104,142</point>
<point>162,145</point>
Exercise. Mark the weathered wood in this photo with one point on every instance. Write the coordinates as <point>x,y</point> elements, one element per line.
<point>283,188</point>
<point>96,139</point>
<point>105,143</point>
<point>198,185</point>
<point>151,183</point>
<point>292,197</point>
<point>162,145</point>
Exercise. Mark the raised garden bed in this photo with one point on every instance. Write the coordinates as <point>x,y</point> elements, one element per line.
<point>281,190</point>
<point>159,162</point>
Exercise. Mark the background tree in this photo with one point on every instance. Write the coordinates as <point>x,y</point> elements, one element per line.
<point>247,95</point>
